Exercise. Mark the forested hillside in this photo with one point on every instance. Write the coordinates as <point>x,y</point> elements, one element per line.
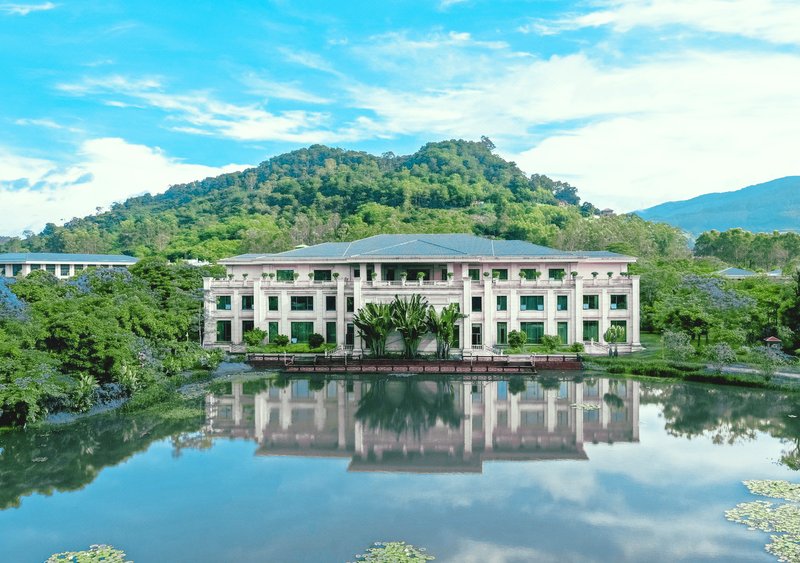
<point>321,194</point>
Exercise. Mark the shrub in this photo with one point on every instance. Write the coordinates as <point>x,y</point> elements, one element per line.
<point>255,337</point>
<point>517,339</point>
<point>550,343</point>
<point>315,340</point>
<point>281,340</point>
<point>577,347</point>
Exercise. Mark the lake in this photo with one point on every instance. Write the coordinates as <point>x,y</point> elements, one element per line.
<point>544,469</point>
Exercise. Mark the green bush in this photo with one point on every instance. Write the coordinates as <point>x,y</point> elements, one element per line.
<point>255,337</point>
<point>315,340</point>
<point>577,347</point>
<point>281,340</point>
<point>550,343</point>
<point>517,339</point>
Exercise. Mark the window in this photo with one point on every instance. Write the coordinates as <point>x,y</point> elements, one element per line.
<point>356,272</point>
<point>531,303</point>
<point>477,304</point>
<point>532,418</point>
<point>562,329</point>
<point>273,302</point>
<point>301,331</point>
<point>591,301</point>
<point>477,335</point>
<point>223,331</point>
<point>322,275</point>
<point>247,326</point>
<point>285,275</point>
<point>64,270</point>
<point>224,303</point>
<point>247,302</point>
<point>302,303</point>
<point>619,301</point>
<point>562,302</point>
<point>330,302</point>
<point>533,331</point>
<point>79,267</point>
<point>272,330</point>
<point>350,304</point>
<point>36,267</point>
<point>330,332</point>
<point>456,342</point>
<point>562,419</point>
<point>16,269</point>
<point>556,273</point>
<point>475,274</point>
<point>530,273</point>
<point>370,270</point>
<point>591,330</point>
<point>350,337</point>
<point>500,273</point>
<point>624,326</point>
<point>51,268</point>
<point>502,333</point>
<point>502,302</point>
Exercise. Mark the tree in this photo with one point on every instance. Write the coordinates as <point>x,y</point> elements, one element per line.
<point>517,339</point>
<point>374,322</point>
<point>612,336</point>
<point>720,355</point>
<point>443,326</point>
<point>409,316</point>
<point>550,343</point>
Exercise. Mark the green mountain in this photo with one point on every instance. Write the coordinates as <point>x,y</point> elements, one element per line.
<point>320,193</point>
<point>767,207</point>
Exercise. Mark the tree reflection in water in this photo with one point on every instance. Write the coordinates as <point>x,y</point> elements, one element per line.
<point>408,405</point>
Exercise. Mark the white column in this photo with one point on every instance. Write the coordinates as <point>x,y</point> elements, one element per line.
<point>341,405</point>
<point>635,312</point>
<point>489,328</point>
<point>578,413</point>
<point>550,409</point>
<point>550,311</point>
<point>341,308</point>
<point>237,403</point>
<point>466,392</point>
<point>577,311</point>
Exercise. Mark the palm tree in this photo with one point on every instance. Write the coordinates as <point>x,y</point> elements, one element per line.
<point>409,316</point>
<point>374,322</point>
<point>443,327</point>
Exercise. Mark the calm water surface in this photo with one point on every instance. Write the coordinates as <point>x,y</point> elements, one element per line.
<point>578,469</point>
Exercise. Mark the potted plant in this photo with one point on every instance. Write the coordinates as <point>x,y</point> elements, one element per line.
<point>449,275</point>
<point>594,275</point>
<point>335,276</point>
<point>373,276</point>
<point>244,277</point>
<point>264,276</point>
<point>420,277</point>
<point>523,276</point>
<point>296,276</point>
<point>230,277</point>
<point>403,276</point>
<point>311,276</point>
<point>574,275</point>
<point>536,275</point>
<point>610,274</point>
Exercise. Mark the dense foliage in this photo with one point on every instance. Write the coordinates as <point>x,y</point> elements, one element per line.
<point>105,333</point>
<point>322,194</point>
<point>759,251</point>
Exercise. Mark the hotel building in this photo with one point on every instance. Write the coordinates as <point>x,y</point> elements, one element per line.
<point>500,285</point>
<point>20,264</point>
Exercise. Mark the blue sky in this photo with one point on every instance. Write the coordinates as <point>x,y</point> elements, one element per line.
<point>634,101</point>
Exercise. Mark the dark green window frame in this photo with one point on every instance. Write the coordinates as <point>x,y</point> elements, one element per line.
<point>301,330</point>
<point>223,331</point>
<point>223,303</point>
<point>502,333</point>
<point>619,302</point>
<point>591,330</point>
<point>330,302</point>
<point>301,303</point>
<point>562,329</point>
<point>330,332</point>
<point>272,302</point>
<point>562,302</point>
<point>350,304</point>
<point>531,302</point>
<point>272,330</point>
<point>591,302</point>
<point>533,330</point>
<point>64,268</point>
<point>502,302</point>
<point>477,304</point>
<point>322,275</point>
<point>556,273</point>
<point>284,275</point>
<point>247,302</point>
<point>475,274</point>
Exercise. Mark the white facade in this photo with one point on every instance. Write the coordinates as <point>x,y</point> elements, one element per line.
<point>62,266</point>
<point>293,292</point>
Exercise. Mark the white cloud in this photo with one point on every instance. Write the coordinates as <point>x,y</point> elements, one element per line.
<point>25,9</point>
<point>770,20</point>
<point>199,112</point>
<point>108,170</point>
<point>282,90</point>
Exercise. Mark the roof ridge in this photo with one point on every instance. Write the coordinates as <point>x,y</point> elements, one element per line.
<point>439,245</point>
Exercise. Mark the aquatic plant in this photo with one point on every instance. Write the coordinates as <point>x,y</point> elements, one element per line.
<point>394,552</point>
<point>782,521</point>
<point>95,554</point>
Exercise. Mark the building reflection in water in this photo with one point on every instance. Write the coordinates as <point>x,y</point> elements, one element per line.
<point>429,426</point>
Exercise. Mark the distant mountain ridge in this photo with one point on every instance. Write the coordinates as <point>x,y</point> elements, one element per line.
<point>770,206</point>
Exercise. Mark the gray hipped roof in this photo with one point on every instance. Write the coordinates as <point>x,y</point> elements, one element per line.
<point>424,246</point>
<point>36,257</point>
